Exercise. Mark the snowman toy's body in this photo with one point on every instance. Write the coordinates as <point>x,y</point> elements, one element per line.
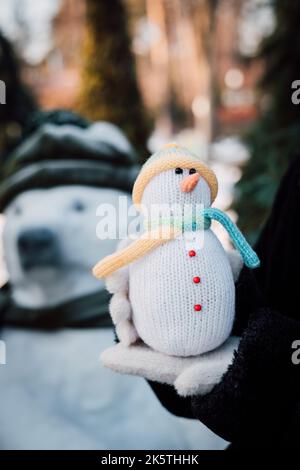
<point>183,300</point>
<point>180,283</point>
<point>182,293</point>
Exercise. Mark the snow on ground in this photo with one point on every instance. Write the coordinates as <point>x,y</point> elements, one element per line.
<point>54,394</point>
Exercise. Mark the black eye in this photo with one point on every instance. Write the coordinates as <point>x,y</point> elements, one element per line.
<point>192,171</point>
<point>78,206</point>
<point>178,171</point>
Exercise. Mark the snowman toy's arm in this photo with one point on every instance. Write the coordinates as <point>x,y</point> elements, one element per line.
<point>119,308</point>
<point>236,263</point>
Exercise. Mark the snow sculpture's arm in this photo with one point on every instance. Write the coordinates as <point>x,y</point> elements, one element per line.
<point>119,307</point>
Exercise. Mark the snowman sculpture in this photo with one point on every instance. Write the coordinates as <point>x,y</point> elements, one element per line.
<point>180,294</point>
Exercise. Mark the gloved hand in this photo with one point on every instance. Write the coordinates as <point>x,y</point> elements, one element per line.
<point>255,404</point>
<point>189,375</point>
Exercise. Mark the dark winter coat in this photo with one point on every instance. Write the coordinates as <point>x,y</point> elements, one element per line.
<point>257,403</point>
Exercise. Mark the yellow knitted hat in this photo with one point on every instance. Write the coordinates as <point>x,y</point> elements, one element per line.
<point>172,156</point>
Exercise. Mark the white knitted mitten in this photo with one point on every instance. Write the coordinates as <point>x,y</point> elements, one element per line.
<point>189,375</point>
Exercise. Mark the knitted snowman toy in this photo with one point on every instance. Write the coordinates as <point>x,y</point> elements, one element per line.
<point>179,294</point>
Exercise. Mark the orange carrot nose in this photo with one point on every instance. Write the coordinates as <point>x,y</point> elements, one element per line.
<point>189,182</point>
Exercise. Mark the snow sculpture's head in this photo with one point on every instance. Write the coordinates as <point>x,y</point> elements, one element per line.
<point>52,184</point>
<point>175,176</point>
<point>50,243</point>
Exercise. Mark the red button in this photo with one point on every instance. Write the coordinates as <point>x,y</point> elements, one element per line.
<point>197,307</point>
<point>192,253</point>
<point>196,279</point>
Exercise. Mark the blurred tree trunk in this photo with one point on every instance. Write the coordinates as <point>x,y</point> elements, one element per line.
<point>109,89</point>
<point>211,48</point>
<point>203,16</point>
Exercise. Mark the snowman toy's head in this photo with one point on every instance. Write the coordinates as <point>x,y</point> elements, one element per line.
<point>174,176</point>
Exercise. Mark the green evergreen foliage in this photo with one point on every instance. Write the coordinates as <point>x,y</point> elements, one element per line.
<point>275,138</point>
